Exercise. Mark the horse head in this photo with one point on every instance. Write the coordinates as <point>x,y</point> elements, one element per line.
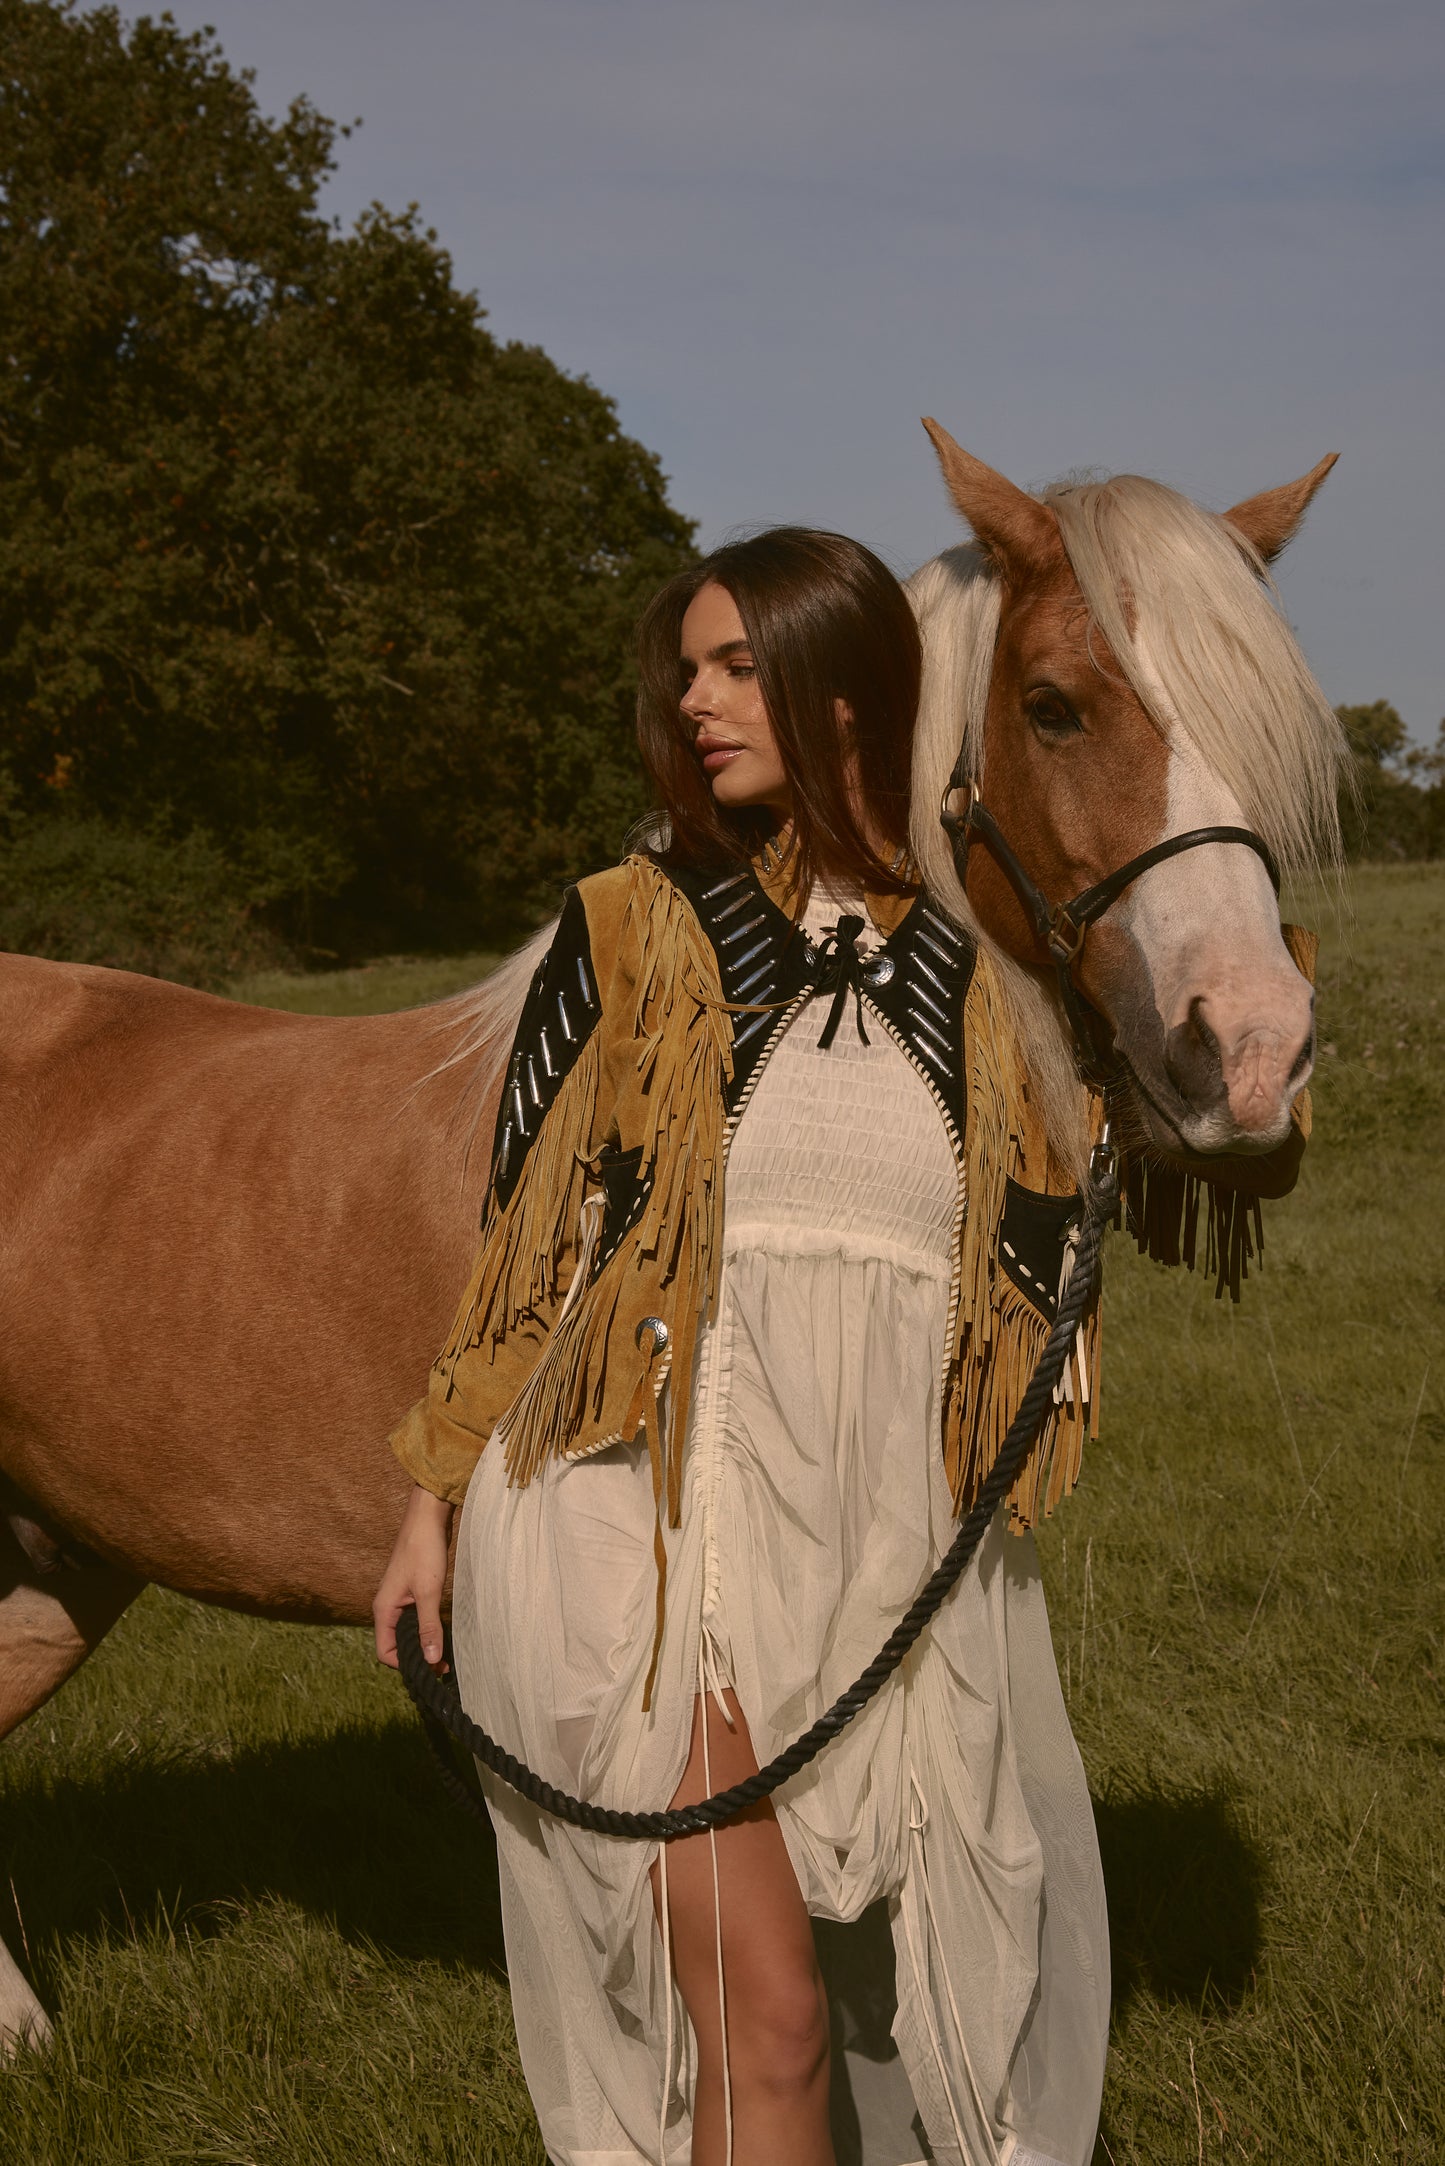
<point>1111,659</point>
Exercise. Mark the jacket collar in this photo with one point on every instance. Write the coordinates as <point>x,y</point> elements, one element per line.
<point>916,979</point>
<point>774,870</point>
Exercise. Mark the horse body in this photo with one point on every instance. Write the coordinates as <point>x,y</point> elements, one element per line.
<point>231,1240</point>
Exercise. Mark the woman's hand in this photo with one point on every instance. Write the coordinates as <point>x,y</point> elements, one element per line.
<point>415,1576</point>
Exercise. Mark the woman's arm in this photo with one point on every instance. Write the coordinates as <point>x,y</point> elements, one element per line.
<point>415,1576</point>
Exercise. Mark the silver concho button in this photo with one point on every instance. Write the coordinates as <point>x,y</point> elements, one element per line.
<point>879,971</point>
<point>810,951</point>
<point>659,1331</point>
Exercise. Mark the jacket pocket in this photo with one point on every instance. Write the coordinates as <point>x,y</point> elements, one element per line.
<point>1031,1242</point>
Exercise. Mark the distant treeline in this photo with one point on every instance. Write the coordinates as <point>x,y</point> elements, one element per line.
<point>316,601</point>
<point>1395,806</point>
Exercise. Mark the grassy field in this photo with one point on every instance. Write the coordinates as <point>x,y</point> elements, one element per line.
<point>271,1943</point>
<point>396,981</point>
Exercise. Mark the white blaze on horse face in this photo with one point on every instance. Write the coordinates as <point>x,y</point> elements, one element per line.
<point>1224,1041</point>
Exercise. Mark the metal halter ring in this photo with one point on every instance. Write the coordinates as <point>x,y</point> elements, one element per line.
<point>949,816</point>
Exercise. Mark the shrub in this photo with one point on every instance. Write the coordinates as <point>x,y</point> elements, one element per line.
<point>73,888</point>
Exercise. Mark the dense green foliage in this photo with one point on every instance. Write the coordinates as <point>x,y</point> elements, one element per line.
<point>1394,802</point>
<point>268,1937</point>
<point>300,568</point>
<point>85,889</point>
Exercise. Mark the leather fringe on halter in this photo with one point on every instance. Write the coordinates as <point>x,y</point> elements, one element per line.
<point>1163,1206</point>
<point>1000,1333</point>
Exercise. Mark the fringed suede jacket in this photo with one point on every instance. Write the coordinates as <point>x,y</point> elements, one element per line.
<point>643,1033</point>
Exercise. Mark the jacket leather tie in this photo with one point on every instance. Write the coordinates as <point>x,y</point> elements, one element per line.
<point>839,971</point>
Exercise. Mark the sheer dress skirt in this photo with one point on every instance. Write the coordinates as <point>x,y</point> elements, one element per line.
<point>814,1507</point>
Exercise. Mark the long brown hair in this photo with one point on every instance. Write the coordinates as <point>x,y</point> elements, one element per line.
<point>826,621</point>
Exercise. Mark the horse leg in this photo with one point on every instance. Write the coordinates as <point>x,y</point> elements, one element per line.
<point>55,1606</point>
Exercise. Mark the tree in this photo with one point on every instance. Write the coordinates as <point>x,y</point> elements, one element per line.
<point>1375,734</point>
<point>1391,804</point>
<point>294,555</point>
<point>1425,767</point>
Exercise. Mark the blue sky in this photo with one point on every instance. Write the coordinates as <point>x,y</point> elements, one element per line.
<point>1201,241</point>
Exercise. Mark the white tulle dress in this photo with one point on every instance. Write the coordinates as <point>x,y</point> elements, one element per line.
<point>814,1507</point>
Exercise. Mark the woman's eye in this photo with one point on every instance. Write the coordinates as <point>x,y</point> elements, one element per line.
<point>1051,711</point>
<point>741,669</point>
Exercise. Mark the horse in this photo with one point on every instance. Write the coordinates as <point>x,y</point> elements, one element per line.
<point>231,1239</point>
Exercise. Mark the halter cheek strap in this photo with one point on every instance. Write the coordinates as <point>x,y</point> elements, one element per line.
<point>1061,927</point>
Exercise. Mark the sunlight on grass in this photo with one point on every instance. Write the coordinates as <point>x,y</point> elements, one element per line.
<point>269,1939</point>
<point>379,988</point>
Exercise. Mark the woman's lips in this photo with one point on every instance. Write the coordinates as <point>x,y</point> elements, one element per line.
<point>716,755</point>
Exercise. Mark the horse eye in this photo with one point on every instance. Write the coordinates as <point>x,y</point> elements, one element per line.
<point>1052,711</point>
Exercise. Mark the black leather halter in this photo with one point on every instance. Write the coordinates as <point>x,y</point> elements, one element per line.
<point>1061,927</point>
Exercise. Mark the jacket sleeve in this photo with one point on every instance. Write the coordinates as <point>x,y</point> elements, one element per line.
<point>546,1133</point>
<point>443,1436</point>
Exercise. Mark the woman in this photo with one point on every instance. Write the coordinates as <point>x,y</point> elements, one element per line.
<point>710,1449</point>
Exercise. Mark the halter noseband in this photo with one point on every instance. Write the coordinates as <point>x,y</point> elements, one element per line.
<point>1061,927</point>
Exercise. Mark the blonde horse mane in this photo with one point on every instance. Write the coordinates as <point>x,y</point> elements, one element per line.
<point>1190,613</point>
<point>481,1023</point>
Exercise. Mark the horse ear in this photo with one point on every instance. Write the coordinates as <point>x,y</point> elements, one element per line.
<point>1014,526</point>
<point>1271,519</point>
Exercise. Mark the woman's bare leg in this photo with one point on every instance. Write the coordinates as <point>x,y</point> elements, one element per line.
<point>777,2011</point>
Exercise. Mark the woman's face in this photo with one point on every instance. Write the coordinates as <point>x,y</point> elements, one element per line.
<point>722,704</point>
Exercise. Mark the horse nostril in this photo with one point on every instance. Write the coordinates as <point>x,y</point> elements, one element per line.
<point>1192,1059</point>
<point>1304,1059</point>
<point>1199,1025</point>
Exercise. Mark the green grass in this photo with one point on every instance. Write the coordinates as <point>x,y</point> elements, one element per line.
<point>395,981</point>
<point>269,1940</point>
<point>1247,1604</point>
<point>267,1935</point>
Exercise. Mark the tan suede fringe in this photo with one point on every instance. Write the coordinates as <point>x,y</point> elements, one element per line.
<point>683,1063</point>
<point>524,1249</point>
<point>1000,1334</point>
<point>683,1060</point>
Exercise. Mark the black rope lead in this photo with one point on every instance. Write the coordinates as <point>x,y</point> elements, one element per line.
<point>440,1704</point>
